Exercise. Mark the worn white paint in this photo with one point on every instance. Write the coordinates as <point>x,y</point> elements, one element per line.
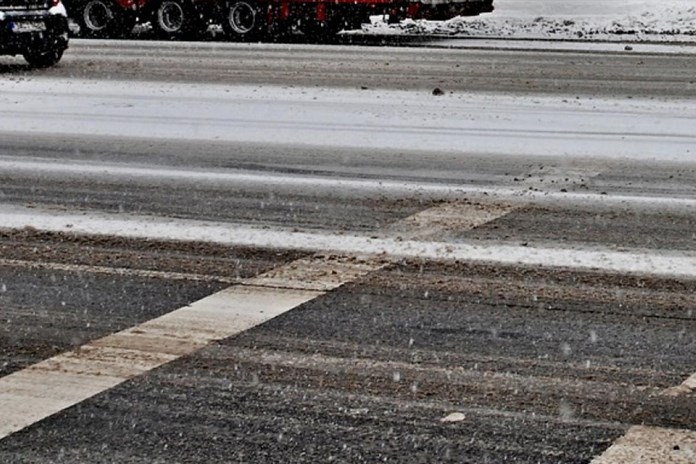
<point>690,382</point>
<point>687,387</point>
<point>651,445</point>
<point>437,222</point>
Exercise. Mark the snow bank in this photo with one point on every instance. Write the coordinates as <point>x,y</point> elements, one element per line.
<point>636,20</point>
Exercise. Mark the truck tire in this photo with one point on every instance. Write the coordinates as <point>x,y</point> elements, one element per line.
<point>43,58</point>
<point>102,18</point>
<point>176,19</point>
<point>244,20</point>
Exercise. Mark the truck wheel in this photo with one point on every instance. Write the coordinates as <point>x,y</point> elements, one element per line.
<point>243,20</point>
<point>43,58</point>
<point>176,19</point>
<point>101,18</point>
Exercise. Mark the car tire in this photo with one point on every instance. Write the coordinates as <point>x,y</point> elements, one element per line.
<point>43,58</point>
<point>176,19</point>
<point>102,18</point>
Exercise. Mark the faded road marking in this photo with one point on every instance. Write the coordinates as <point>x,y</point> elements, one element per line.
<point>651,445</point>
<point>118,271</point>
<point>685,388</point>
<point>449,217</point>
<point>50,386</point>
<point>45,388</point>
<point>655,445</point>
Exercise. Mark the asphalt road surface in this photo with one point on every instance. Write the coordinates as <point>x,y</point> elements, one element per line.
<point>493,68</point>
<point>175,293</point>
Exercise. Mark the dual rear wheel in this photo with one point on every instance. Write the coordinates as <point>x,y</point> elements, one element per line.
<point>103,18</point>
<point>248,20</point>
<point>177,19</point>
<point>171,19</point>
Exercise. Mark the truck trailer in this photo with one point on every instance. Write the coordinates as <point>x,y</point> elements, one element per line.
<point>255,19</point>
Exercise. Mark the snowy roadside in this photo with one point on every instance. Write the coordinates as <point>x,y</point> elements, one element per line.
<point>592,20</point>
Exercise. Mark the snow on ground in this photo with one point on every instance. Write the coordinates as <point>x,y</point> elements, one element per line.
<point>624,20</point>
<point>655,263</point>
<point>373,119</point>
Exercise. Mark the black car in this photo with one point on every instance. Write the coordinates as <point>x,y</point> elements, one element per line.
<point>35,29</point>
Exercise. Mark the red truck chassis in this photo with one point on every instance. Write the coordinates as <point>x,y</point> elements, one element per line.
<point>253,19</point>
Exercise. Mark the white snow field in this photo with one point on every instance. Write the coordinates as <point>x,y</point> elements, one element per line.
<point>622,20</point>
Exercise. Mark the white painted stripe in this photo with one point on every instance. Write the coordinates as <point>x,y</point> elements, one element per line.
<point>117,271</point>
<point>656,263</point>
<point>651,445</point>
<point>32,394</point>
<point>344,184</point>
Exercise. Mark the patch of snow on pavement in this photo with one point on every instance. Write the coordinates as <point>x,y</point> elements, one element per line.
<point>628,20</point>
<point>377,119</point>
<point>149,227</point>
